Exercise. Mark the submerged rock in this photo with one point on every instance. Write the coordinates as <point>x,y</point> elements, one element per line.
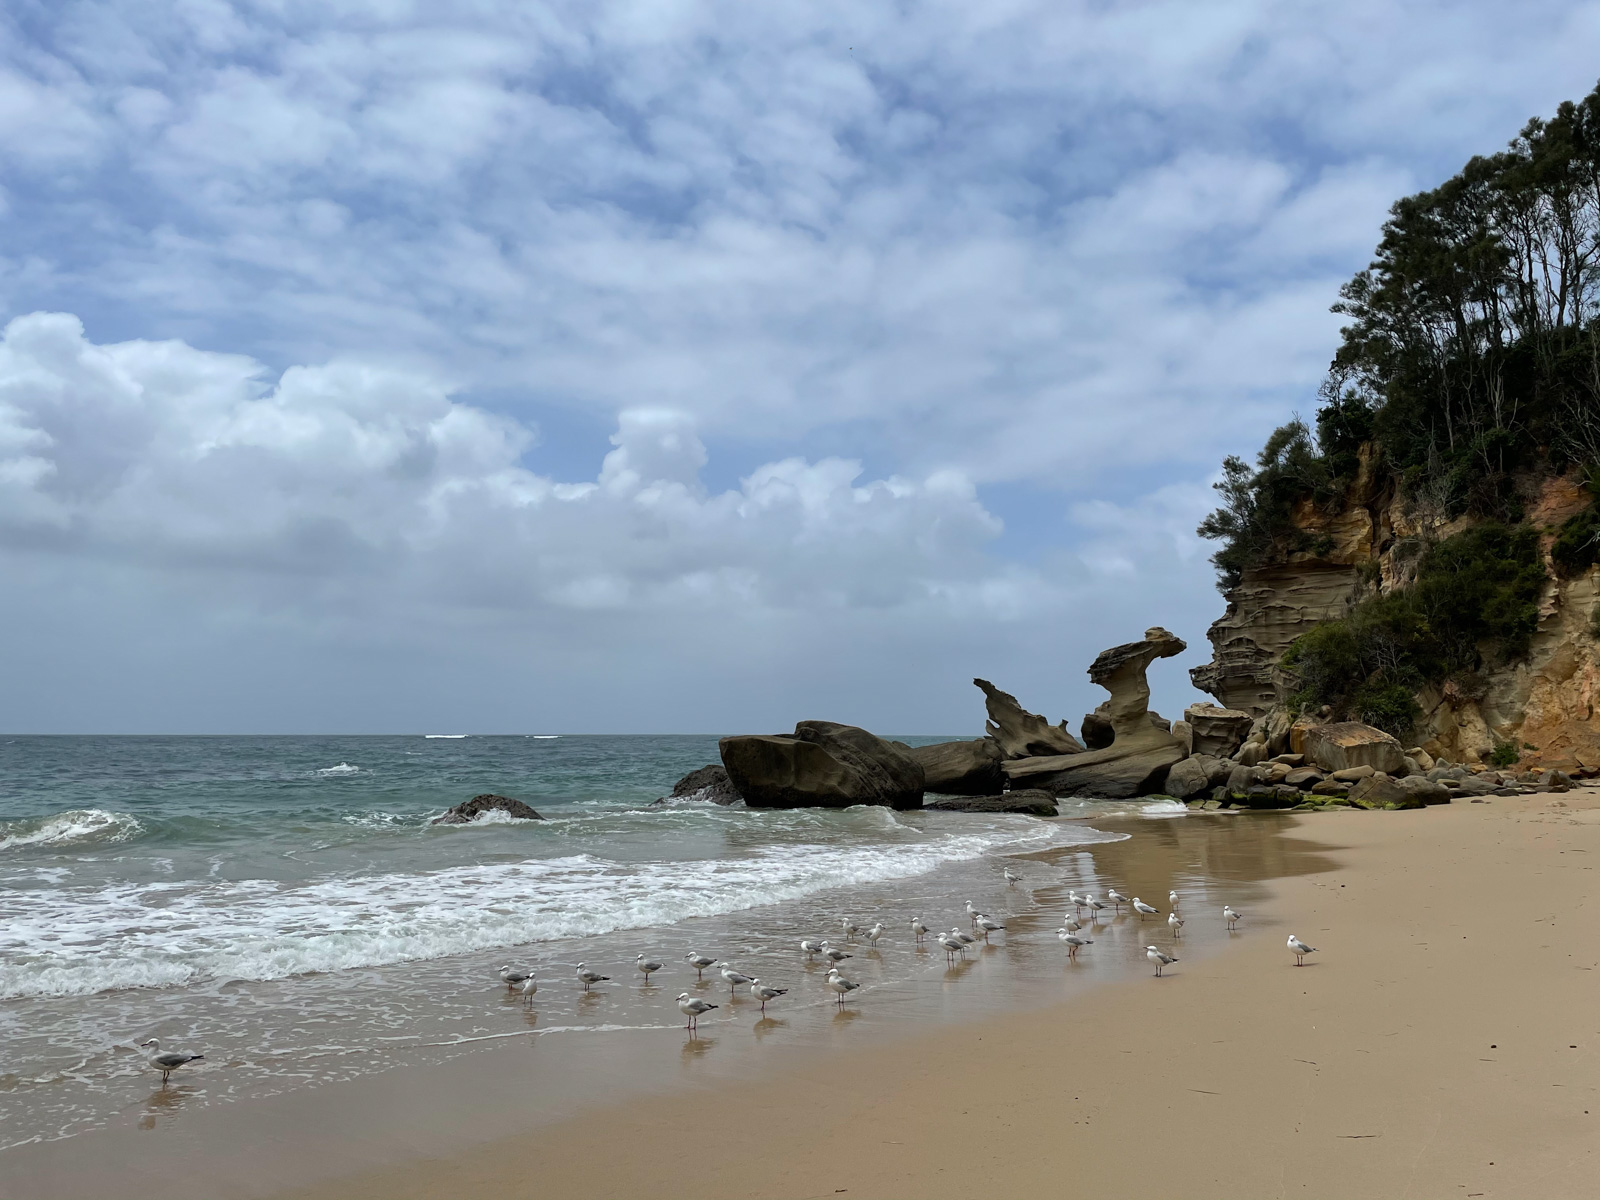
<point>1034,801</point>
<point>469,810</point>
<point>709,783</point>
<point>822,765</point>
<point>1020,733</point>
<point>962,768</point>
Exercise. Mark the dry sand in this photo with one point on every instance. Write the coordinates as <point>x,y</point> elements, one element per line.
<point>1445,1042</point>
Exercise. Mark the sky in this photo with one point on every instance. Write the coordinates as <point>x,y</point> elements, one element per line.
<point>375,366</point>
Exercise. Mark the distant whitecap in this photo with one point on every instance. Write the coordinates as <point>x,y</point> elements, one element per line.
<point>343,768</point>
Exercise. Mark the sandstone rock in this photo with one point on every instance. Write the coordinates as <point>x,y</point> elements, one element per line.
<point>708,783</point>
<point>469,810</point>
<point>1274,772</point>
<point>1217,769</point>
<point>1379,791</point>
<point>1297,733</point>
<point>962,768</point>
<point>1353,774</point>
<point>1098,732</point>
<point>1350,744</point>
<point>1033,801</point>
<point>1408,766</point>
<point>1213,730</point>
<point>1240,780</point>
<point>1137,761</point>
<point>1250,753</point>
<point>1424,789</point>
<point>822,765</point>
<point>1291,760</point>
<point>1423,759</point>
<point>1188,778</point>
<point>1276,727</point>
<point>1303,777</point>
<point>1185,735</point>
<point>1555,781</point>
<point>1331,787</point>
<point>1020,733</point>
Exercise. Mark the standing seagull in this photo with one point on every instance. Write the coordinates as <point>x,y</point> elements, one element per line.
<point>833,954</point>
<point>1158,958</point>
<point>988,925</point>
<point>694,1009</point>
<point>1077,903</point>
<point>849,927</point>
<point>1011,877</point>
<point>972,913</point>
<point>1117,899</point>
<point>1172,899</point>
<point>166,1063</point>
<point>529,989</point>
<point>1073,924</point>
<point>966,939</point>
<point>840,986</point>
<point>952,947</point>
<point>1175,923</point>
<point>1094,906</point>
<point>735,978</point>
<point>512,976</point>
<point>648,965</point>
<point>918,929</point>
<point>1300,950</point>
<point>1231,917</point>
<point>812,948</point>
<point>764,993</point>
<point>699,962</point>
<point>1073,941</point>
<point>586,977</point>
<point>875,933</point>
<point>1144,910</point>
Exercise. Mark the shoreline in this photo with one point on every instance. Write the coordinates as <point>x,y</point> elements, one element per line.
<point>1443,1042</point>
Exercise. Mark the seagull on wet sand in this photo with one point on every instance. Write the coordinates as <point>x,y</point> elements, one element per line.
<point>1073,924</point>
<point>1076,901</point>
<point>512,976</point>
<point>840,986</point>
<point>966,939</point>
<point>833,954</point>
<point>764,993</point>
<point>972,913</point>
<point>528,989</point>
<point>1300,950</point>
<point>1160,959</point>
<point>918,929</point>
<point>1073,941</point>
<point>988,925</point>
<point>849,927</point>
<point>1172,899</point>
<point>875,933</point>
<point>1231,917</point>
<point>1144,910</point>
<point>699,962</point>
<point>1175,923</point>
<point>811,948</point>
<point>1011,877</point>
<point>952,946</point>
<point>735,978</point>
<point>167,1062</point>
<point>1117,899</point>
<point>587,977</point>
<point>648,965</point>
<point>694,1009</point>
<point>1094,906</point>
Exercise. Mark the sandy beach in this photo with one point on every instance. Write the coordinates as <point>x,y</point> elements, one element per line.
<point>1442,1043</point>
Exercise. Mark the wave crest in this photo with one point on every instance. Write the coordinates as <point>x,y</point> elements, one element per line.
<point>76,826</point>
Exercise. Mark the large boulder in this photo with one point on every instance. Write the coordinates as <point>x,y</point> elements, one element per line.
<point>1034,801</point>
<point>1141,753</point>
<point>708,783</point>
<point>1216,731</point>
<point>1020,733</point>
<point>962,768</point>
<point>470,810</point>
<point>822,765</point>
<point>1424,789</point>
<point>1189,777</point>
<point>1098,732</point>
<point>1379,791</point>
<point>1345,744</point>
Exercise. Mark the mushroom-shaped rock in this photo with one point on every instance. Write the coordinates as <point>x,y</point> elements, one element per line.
<point>962,768</point>
<point>1020,733</point>
<point>822,765</point>
<point>469,810</point>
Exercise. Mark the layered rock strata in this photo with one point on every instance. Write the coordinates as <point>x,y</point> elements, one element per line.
<point>962,768</point>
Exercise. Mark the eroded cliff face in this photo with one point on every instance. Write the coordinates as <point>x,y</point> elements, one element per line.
<point>1545,704</point>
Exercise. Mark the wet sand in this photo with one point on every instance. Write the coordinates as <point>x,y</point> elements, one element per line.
<point>1444,1042</point>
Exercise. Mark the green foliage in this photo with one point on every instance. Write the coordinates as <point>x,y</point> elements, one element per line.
<point>1577,544</point>
<point>1505,754</point>
<point>1482,588</point>
<point>1255,519</point>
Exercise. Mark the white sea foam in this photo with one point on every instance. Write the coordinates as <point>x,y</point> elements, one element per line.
<point>76,941</point>
<point>74,827</point>
<point>343,768</point>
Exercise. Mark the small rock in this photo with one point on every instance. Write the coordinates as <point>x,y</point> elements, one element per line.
<point>1034,801</point>
<point>1379,791</point>
<point>1555,781</point>
<point>1304,777</point>
<point>1354,774</point>
<point>710,783</point>
<point>1330,787</point>
<point>1291,760</point>
<point>468,810</point>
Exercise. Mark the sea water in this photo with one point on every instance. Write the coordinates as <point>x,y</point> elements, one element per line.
<point>286,904</point>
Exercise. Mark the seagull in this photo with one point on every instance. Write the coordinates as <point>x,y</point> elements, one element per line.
<point>972,913</point>
<point>1073,941</point>
<point>833,954</point>
<point>988,925</point>
<point>694,1009</point>
<point>840,986</point>
<point>811,948</point>
<point>166,1063</point>
<point>648,965</point>
<point>699,962</point>
<point>1094,906</point>
<point>966,939</point>
<point>1158,958</point>
<point>952,946</point>
<point>1073,924</point>
<point>875,933</point>
<point>1300,950</point>
<point>1172,899</point>
<point>1117,899</point>
<point>1076,901</point>
<point>529,987</point>
<point>918,929</point>
<point>764,993</point>
<point>586,977</point>
<point>1011,877</point>
<point>1144,910</point>
<point>512,976</point>
<point>1231,917</point>
<point>735,978</point>
<point>1175,923</point>
<point>850,929</point>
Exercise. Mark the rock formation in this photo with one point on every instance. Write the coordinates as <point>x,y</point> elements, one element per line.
<point>469,810</point>
<point>1141,753</point>
<point>962,768</point>
<point>1020,733</point>
<point>1216,731</point>
<point>822,765</point>
<point>710,783</point>
<point>1033,801</point>
<point>1346,744</point>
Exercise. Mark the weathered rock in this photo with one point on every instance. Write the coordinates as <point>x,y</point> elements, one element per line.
<point>1424,789</point>
<point>821,765</point>
<point>1184,734</point>
<point>469,810</point>
<point>1020,733</point>
<point>962,768</point>
<point>1217,769</point>
<point>1218,731</point>
<point>1473,786</point>
<point>1275,728</point>
<point>1352,774</point>
<point>1291,760</point>
<point>1331,787</point>
<point>1034,801</point>
<point>1379,791</point>
<point>1303,777</point>
<point>1267,796</point>
<point>1137,761</point>
<point>1251,753</point>
<point>1188,778</point>
<point>1555,781</point>
<point>1098,732</point>
<point>1422,758</point>
<point>1240,780</point>
<point>710,784</point>
<point>1274,772</point>
<point>1408,766</point>
<point>1351,744</point>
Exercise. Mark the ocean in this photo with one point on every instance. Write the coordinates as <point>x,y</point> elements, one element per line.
<point>285,904</point>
